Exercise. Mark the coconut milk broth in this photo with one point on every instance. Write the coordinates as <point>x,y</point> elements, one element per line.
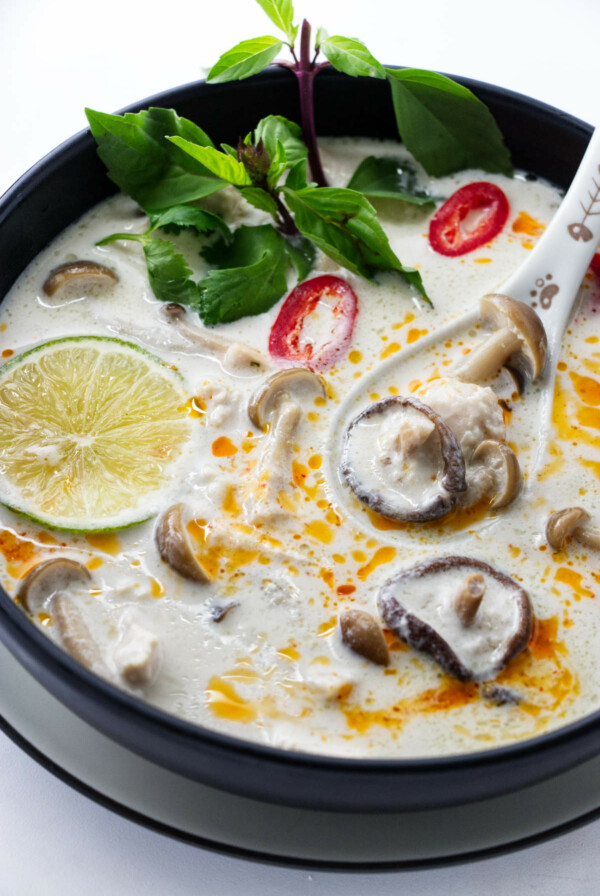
<point>274,669</point>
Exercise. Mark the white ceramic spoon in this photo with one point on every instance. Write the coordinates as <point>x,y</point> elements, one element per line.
<point>549,281</point>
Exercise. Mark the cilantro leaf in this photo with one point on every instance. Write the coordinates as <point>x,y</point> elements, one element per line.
<point>168,271</point>
<point>444,125</point>
<point>144,165</point>
<point>169,274</point>
<point>247,58</point>
<point>281,13</point>
<point>344,225</point>
<point>387,178</point>
<point>350,56</point>
<point>220,164</point>
<point>250,278</point>
<point>173,219</point>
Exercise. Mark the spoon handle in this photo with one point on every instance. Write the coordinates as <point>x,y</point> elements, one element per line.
<point>550,278</point>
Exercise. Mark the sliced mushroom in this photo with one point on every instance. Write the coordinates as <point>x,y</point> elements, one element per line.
<point>296,384</point>
<point>236,357</point>
<point>79,278</point>
<point>280,404</point>
<point>362,633</point>
<point>572,522</point>
<point>137,656</point>
<point>175,548</point>
<point>501,471</point>
<point>48,578</point>
<point>419,605</point>
<point>519,337</point>
<point>75,635</point>
<point>415,485</point>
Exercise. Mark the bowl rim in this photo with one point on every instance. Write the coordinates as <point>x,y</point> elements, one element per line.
<point>25,640</point>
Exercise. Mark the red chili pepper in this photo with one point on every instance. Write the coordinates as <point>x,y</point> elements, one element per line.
<point>472,216</point>
<point>286,343</point>
<point>595,264</point>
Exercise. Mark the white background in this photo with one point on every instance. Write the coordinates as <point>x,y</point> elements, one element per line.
<point>57,57</point>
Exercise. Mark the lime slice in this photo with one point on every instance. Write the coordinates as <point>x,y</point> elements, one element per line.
<point>91,429</point>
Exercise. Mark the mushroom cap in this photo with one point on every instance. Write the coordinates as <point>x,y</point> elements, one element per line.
<point>362,633</point>
<point>365,474</point>
<point>561,524</point>
<point>418,604</point>
<point>503,467</point>
<point>49,577</point>
<point>81,276</point>
<point>174,545</point>
<point>297,383</point>
<point>501,311</point>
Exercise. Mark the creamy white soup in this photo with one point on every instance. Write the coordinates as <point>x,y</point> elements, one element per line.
<point>256,648</point>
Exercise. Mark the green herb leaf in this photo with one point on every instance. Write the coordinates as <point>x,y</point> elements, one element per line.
<point>296,178</point>
<point>173,219</point>
<point>281,13</point>
<point>320,37</point>
<point>444,125</point>
<point>147,167</point>
<point>168,271</point>
<point>388,178</point>
<point>259,199</point>
<point>302,254</point>
<point>251,275</point>
<point>351,56</point>
<point>344,225</point>
<point>245,59</point>
<point>278,165</point>
<point>169,274</point>
<point>276,129</point>
<point>221,164</point>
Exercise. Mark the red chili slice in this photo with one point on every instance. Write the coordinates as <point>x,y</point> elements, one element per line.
<point>595,264</point>
<point>472,216</point>
<point>286,343</point>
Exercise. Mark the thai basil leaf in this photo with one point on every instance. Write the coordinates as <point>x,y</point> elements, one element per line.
<point>302,254</point>
<point>143,164</point>
<point>220,164</point>
<point>245,59</point>
<point>351,56</point>
<point>297,176</point>
<point>276,129</point>
<point>344,225</point>
<point>444,125</point>
<point>281,13</point>
<point>260,199</point>
<point>387,178</point>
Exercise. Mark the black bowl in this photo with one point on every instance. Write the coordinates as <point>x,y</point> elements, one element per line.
<point>52,195</point>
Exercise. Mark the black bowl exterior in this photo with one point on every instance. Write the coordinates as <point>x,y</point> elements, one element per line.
<point>57,191</point>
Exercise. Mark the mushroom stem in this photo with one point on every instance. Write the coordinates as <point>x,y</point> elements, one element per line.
<point>273,469</point>
<point>175,548</point>
<point>587,536</point>
<point>75,635</point>
<point>572,522</point>
<point>488,357</point>
<point>234,355</point>
<point>468,599</point>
